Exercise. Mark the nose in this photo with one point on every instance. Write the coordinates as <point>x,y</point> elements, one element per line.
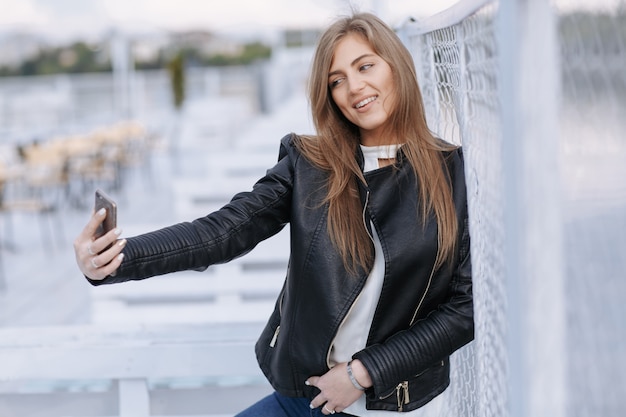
<point>355,84</point>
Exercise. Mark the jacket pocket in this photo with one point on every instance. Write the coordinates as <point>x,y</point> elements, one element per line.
<point>275,337</point>
<point>268,339</point>
<point>415,392</point>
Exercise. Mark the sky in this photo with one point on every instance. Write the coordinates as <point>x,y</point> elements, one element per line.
<point>71,19</point>
<point>64,19</point>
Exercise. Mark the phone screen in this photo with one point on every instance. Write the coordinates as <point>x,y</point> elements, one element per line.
<point>110,222</point>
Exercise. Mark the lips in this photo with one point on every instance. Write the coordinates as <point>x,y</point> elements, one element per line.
<point>365,102</point>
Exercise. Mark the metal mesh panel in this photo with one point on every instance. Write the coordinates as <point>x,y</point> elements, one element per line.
<point>458,68</point>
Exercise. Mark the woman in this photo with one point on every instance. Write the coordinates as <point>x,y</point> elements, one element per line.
<point>378,290</point>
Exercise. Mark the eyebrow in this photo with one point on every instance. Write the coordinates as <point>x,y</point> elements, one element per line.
<point>353,63</point>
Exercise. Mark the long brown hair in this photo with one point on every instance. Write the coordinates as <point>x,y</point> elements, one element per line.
<point>335,146</point>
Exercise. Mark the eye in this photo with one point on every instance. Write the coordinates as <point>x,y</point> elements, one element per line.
<point>365,67</point>
<point>335,82</point>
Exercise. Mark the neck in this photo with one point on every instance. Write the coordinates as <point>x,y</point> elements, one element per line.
<point>379,137</point>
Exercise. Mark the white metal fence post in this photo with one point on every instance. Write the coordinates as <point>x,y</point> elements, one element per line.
<point>530,90</point>
<point>134,399</point>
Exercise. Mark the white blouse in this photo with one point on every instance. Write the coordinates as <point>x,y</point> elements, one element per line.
<point>352,335</point>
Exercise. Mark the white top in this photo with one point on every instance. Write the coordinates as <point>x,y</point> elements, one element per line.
<point>372,154</point>
<point>352,335</point>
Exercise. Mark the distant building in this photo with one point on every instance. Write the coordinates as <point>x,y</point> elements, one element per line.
<point>206,42</point>
<point>146,48</point>
<point>301,37</point>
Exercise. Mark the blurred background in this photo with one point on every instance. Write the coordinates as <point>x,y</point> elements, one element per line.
<point>171,107</point>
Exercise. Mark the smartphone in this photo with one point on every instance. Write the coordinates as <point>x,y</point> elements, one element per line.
<point>110,222</point>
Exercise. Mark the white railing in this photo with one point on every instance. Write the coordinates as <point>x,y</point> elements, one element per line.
<point>444,19</point>
<point>130,356</point>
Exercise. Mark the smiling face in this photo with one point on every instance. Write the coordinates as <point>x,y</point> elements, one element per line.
<point>362,86</point>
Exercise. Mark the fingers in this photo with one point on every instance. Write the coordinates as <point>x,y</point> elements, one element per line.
<point>327,411</point>
<point>336,390</point>
<point>98,272</point>
<point>100,257</point>
<point>105,263</point>
<point>312,381</point>
<point>96,219</point>
<point>327,408</point>
<point>89,231</point>
<point>320,400</point>
<point>99,245</point>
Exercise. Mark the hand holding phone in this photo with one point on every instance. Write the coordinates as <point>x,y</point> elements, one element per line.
<point>106,202</point>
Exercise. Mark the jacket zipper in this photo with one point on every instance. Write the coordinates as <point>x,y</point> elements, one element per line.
<point>275,337</point>
<point>432,272</point>
<point>367,200</point>
<point>419,305</point>
<point>402,394</point>
<point>402,391</point>
<point>277,331</point>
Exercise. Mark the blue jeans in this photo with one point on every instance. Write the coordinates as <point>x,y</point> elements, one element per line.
<point>277,405</point>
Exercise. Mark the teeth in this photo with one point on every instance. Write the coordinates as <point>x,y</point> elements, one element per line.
<point>364,102</point>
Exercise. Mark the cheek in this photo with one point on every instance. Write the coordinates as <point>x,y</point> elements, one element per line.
<point>335,97</point>
<point>339,103</point>
<point>391,100</point>
<point>392,93</point>
<point>390,103</point>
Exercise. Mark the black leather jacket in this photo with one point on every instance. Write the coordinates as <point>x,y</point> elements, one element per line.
<point>423,314</point>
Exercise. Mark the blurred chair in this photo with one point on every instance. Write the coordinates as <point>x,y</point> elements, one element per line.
<point>42,175</point>
<point>27,187</point>
<point>103,156</point>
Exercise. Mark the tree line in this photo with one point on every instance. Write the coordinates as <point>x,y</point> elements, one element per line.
<point>81,57</point>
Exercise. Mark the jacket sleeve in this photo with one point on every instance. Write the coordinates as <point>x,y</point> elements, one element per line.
<point>435,337</point>
<point>230,232</point>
